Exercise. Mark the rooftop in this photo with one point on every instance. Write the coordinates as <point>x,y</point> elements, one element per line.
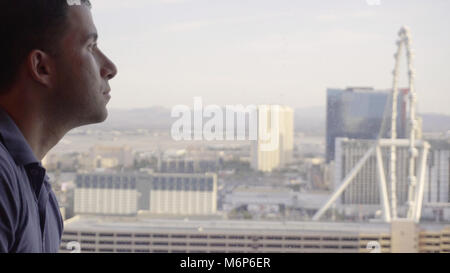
<point>145,224</point>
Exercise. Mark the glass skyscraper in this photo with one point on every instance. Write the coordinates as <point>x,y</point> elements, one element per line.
<point>358,113</point>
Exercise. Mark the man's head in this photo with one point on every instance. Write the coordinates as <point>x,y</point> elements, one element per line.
<point>49,52</point>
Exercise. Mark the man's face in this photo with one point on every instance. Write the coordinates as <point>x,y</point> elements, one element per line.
<point>83,72</point>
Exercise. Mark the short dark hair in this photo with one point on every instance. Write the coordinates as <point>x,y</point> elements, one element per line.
<point>26,25</point>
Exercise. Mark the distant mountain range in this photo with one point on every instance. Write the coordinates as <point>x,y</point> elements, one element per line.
<point>310,120</point>
<point>435,122</point>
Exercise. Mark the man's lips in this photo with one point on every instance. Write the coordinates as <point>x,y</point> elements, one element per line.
<point>107,94</point>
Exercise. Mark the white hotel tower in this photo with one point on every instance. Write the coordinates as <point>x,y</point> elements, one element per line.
<point>278,121</point>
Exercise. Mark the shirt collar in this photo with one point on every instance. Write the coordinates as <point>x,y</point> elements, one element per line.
<point>14,141</point>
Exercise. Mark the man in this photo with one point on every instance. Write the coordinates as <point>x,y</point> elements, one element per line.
<point>53,78</point>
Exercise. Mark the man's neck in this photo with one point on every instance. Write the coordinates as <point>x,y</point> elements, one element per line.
<point>41,133</point>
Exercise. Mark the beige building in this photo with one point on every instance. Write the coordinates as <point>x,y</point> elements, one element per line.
<point>185,194</point>
<point>275,141</point>
<point>53,162</point>
<point>105,194</point>
<point>107,157</point>
<point>435,239</point>
<point>108,193</point>
<point>139,234</point>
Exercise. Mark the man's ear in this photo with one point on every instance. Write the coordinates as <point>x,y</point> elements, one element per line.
<point>41,67</point>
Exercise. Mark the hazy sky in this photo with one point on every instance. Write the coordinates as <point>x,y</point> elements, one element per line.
<point>269,51</point>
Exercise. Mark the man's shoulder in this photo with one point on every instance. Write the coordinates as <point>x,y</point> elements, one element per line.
<point>9,183</point>
<point>7,165</point>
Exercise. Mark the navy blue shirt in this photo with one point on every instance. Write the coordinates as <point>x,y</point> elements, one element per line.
<point>30,220</point>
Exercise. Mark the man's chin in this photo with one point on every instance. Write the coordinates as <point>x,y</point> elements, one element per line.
<point>103,116</point>
<point>97,117</point>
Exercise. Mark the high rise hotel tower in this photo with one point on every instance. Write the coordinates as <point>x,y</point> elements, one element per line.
<point>274,145</point>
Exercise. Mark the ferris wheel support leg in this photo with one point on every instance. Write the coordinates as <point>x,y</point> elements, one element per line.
<point>347,180</point>
<point>420,190</point>
<point>383,187</point>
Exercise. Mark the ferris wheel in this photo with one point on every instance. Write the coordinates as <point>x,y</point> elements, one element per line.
<point>416,176</point>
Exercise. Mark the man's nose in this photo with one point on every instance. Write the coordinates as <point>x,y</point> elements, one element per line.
<point>109,69</point>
